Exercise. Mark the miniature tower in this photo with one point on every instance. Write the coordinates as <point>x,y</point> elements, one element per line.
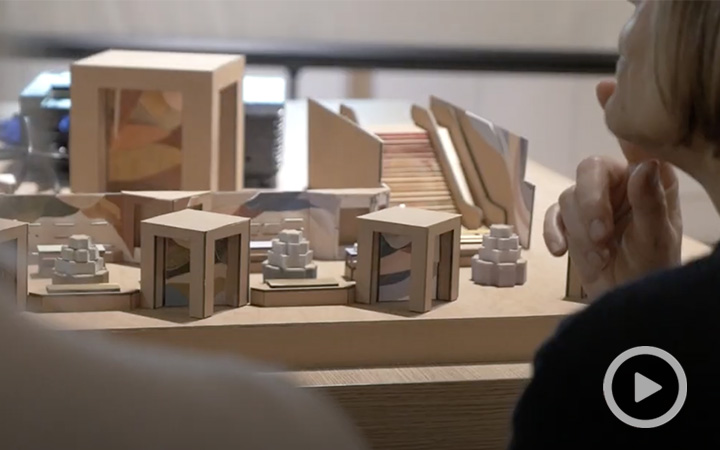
<point>498,261</point>
<point>290,257</point>
<point>80,263</point>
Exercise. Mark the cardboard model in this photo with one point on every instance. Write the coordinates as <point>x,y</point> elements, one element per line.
<point>423,227</point>
<point>498,262</point>
<point>201,230</point>
<point>494,160</point>
<point>204,93</point>
<point>141,205</point>
<point>14,262</point>
<point>80,262</point>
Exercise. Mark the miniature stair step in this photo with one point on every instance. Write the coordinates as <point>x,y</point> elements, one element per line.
<point>420,190</point>
<point>411,164</point>
<point>428,193</point>
<point>424,200</point>
<point>416,177</point>
<point>417,167</point>
<point>411,170</point>
<point>432,179</point>
<point>423,167</point>
<point>406,153</point>
<point>413,187</point>
<point>442,200</point>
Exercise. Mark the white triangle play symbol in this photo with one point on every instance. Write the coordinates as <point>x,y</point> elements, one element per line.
<point>644,387</point>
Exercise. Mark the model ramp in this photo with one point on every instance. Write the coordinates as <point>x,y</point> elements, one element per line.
<point>412,172</point>
<point>419,169</point>
<point>494,161</point>
<point>441,159</point>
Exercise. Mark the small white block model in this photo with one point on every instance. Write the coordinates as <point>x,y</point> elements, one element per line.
<point>289,257</point>
<point>80,263</point>
<point>498,261</point>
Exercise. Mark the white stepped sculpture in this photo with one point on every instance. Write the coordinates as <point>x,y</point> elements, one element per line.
<point>498,261</point>
<point>80,263</point>
<point>290,257</point>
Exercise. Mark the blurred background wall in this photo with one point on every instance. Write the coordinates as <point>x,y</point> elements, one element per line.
<point>557,113</point>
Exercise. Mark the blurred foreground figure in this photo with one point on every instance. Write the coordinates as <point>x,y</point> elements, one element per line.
<point>62,391</point>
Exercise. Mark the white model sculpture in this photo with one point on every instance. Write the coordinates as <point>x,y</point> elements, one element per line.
<point>80,263</point>
<point>498,261</point>
<point>289,257</point>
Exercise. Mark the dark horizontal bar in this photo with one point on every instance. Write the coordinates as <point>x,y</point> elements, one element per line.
<point>299,55</point>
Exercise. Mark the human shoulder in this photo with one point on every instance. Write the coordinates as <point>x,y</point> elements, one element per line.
<point>563,405</point>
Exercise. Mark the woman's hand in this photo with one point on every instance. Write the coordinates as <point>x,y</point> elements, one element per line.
<point>620,220</point>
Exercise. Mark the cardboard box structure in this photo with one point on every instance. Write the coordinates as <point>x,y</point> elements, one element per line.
<point>141,205</point>
<point>423,228</point>
<point>197,140</point>
<point>14,262</point>
<point>200,230</point>
<point>327,217</point>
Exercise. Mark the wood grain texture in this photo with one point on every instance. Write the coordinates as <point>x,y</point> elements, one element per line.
<point>426,408</point>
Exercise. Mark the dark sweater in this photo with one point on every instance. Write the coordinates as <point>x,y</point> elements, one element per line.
<point>678,311</point>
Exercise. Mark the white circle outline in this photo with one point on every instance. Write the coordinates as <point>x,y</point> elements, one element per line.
<point>645,423</point>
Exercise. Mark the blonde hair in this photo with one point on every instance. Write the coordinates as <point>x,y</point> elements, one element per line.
<point>687,64</point>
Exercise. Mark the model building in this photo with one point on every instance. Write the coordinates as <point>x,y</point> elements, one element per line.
<point>289,258</point>
<point>80,263</point>
<point>498,261</point>
<point>429,232</point>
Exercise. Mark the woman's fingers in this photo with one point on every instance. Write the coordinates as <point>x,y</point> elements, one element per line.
<point>672,195</point>
<point>597,179</point>
<point>589,257</point>
<point>647,198</point>
<point>554,231</point>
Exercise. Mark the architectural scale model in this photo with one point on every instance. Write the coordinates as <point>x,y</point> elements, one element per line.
<point>498,261</point>
<point>289,258</point>
<point>80,263</point>
<point>397,203</point>
<point>200,232</point>
<point>408,210</point>
<point>432,234</point>
<point>157,121</point>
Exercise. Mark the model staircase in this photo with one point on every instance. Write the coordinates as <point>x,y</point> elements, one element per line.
<point>413,174</point>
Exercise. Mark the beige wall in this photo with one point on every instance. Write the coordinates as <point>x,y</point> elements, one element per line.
<point>545,23</point>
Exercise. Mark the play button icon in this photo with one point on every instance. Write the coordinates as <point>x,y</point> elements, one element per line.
<point>645,387</point>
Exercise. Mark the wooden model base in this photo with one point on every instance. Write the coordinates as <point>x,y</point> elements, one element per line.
<point>466,331</point>
<point>303,292</point>
<point>121,294</point>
